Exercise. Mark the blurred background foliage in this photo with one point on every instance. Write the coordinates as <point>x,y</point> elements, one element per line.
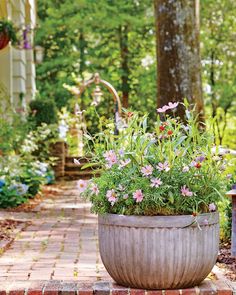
<point>117,39</point>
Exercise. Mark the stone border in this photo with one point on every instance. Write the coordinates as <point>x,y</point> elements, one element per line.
<point>208,287</point>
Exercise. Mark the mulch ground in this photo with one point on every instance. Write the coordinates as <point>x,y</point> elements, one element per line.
<point>227,263</point>
<point>7,227</point>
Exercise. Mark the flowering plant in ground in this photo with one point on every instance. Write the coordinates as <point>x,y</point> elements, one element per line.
<point>21,178</point>
<point>168,171</point>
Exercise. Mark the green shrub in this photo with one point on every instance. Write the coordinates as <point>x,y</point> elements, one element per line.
<point>42,111</point>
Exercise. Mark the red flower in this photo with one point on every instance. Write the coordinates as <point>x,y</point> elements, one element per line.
<point>162,128</point>
<point>130,114</point>
<point>198,165</point>
<point>170,132</point>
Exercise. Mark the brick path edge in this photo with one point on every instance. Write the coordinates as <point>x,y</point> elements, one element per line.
<point>6,243</point>
<point>54,287</point>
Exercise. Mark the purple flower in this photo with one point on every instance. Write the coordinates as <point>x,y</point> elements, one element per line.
<point>138,196</point>
<point>111,196</point>
<point>155,182</point>
<point>121,152</point>
<point>172,105</point>
<point>163,109</point>
<point>200,159</point>
<point>186,192</point>
<point>147,170</point>
<point>163,166</point>
<point>111,158</point>
<point>82,185</point>
<point>95,189</point>
<point>212,207</point>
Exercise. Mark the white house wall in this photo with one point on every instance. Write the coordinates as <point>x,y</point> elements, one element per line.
<point>17,69</point>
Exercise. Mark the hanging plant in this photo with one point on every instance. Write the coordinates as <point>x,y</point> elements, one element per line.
<point>7,33</point>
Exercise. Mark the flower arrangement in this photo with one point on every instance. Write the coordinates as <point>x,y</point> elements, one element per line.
<point>169,171</point>
<point>7,33</point>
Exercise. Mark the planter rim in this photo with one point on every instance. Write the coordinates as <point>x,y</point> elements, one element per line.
<point>172,221</point>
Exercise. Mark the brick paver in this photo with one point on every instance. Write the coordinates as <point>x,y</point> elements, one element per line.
<point>57,253</point>
<point>60,244</point>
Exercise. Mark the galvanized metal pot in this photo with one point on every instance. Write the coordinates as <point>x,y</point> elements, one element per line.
<point>159,252</point>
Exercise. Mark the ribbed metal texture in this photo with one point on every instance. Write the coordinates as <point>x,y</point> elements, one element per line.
<point>146,252</point>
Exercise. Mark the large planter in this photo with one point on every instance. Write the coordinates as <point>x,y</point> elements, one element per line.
<point>159,252</point>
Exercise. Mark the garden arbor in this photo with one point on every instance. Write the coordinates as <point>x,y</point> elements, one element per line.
<point>97,94</point>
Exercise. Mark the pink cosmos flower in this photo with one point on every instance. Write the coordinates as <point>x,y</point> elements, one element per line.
<point>124,163</point>
<point>156,182</point>
<point>186,192</point>
<point>138,196</point>
<point>163,109</point>
<point>109,154</point>
<point>185,169</point>
<point>147,170</point>
<point>95,189</point>
<point>111,196</point>
<point>193,163</point>
<point>163,166</point>
<point>82,185</point>
<point>172,105</point>
<point>212,207</point>
<point>111,158</point>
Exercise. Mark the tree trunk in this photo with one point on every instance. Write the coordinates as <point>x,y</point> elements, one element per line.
<point>124,52</point>
<point>178,54</point>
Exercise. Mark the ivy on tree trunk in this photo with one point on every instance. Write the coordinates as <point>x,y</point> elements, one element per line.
<point>178,56</point>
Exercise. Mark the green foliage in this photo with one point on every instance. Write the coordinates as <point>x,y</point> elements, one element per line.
<point>226,205</point>
<point>21,178</point>
<point>82,38</point>
<point>172,169</point>
<point>12,134</point>
<point>43,111</point>
<point>219,66</point>
<point>24,160</point>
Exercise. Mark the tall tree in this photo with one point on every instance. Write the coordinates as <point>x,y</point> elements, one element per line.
<point>218,22</point>
<point>106,36</point>
<point>178,57</point>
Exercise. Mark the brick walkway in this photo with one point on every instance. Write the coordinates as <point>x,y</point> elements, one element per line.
<point>60,244</point>
<point>58,252</point>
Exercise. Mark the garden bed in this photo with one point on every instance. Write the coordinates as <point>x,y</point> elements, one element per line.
<point>227,263</point>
